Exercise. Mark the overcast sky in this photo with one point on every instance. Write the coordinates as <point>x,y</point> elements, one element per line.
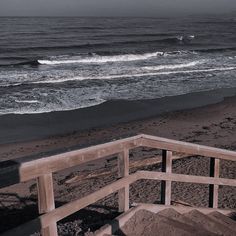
<point>114,7</point>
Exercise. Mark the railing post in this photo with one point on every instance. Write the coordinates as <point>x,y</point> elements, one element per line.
<point>123,170</point>
<point>166,185</point>
<point>46,201</point>
<point>213,189</point>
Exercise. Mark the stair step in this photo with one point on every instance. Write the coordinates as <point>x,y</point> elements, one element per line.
<point>146,223</point>
<point>209,223</point>
<point>166,226</point>
<point>173,214</point>
<point>223,219</point>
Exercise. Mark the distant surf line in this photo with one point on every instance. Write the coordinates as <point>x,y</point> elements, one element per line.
<point>97,59</point>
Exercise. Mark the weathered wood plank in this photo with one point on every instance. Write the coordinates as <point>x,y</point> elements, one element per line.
<point>214,189</point>
<point>186,178</point>
<point>45,193</point>
<point>166,185</point>
<point>188,148</point>
<point>55,163</point>
<point>46,201</point>
<point>123,171</point>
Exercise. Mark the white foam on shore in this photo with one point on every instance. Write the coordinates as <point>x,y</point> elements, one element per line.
<point>176,66</point>
<point>40,110</point>
<point>80,78</point>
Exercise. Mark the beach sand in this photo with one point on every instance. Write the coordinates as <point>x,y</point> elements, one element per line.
<point>212,125</point>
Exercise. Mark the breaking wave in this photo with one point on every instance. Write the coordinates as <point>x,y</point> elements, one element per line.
<point>97,59</point>
<point>102,59</point>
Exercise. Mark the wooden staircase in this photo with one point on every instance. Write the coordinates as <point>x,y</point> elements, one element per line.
<point>172,221</point>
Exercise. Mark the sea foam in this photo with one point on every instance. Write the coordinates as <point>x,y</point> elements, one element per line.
<point>110,77</point>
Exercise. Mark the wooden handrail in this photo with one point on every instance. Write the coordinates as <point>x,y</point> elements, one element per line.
<point>23,170</point>
<point>187,148</point>
<point>42,169</point>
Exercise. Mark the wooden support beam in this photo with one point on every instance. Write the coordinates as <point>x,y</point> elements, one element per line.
<point>166,185</point>
<point>46,201</point>
<point>123,171</point>
<point>213,188</point>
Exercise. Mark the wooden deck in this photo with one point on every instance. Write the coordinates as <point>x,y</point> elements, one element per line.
<point>20,170</point>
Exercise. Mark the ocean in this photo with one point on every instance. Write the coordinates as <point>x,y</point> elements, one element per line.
<point>58,64</point>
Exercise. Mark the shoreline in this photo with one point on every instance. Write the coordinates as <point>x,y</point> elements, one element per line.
<point>28,127</point>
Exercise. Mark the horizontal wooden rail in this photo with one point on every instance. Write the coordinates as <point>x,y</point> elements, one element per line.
<point>22,169</point>
<point>58,162</point>
<point>188,148</point>
<point>185,178</point>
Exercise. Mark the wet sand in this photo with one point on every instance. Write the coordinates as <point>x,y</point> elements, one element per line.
<point>213,125</point>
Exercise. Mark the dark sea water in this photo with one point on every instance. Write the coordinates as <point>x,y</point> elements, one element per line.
<point>56,64</point>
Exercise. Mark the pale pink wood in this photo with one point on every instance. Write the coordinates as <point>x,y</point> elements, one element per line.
<point>46,201</point>
<point>186,178</point>
<point>123,171</point>
<point>187,148</point>
<point>51,230</point>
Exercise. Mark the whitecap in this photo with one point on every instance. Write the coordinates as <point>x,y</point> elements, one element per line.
<point>102,59</point>
<point>27,101</point>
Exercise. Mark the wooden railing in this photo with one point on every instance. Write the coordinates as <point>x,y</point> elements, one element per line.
<point>16,171</point>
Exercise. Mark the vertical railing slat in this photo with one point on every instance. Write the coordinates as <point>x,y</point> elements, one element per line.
<point>46,201</point>
<point>214,189</point>
<point>166,185</point>
<point>123,170</point>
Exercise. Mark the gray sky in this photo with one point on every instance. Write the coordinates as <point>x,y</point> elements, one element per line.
<point>114,7</point>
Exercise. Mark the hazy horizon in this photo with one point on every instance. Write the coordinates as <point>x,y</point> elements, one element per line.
<point>111,8</point>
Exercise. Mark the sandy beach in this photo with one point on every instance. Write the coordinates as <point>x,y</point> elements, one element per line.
<point>207,118</point>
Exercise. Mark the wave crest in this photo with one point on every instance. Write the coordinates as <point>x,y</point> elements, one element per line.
<point>102,59</point>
